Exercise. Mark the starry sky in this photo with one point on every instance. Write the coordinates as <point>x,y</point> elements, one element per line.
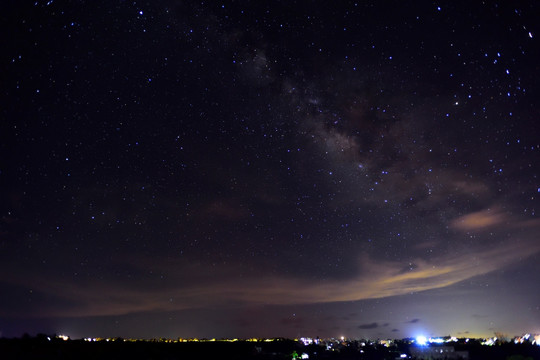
<point>286,168</point>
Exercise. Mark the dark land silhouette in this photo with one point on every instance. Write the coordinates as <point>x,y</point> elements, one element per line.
<point>50,347</point>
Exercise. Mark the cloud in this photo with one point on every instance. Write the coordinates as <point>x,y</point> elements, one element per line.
<point>369,326</point>
<point>413,321</point>
<point>477,316</point>
<point>480,220</point>
<point>470,187</point>
<point>493,218</point>
<point>191,285</point>
<point>395,330</point>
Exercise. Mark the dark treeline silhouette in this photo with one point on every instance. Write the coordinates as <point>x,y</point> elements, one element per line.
<point>46,347</point>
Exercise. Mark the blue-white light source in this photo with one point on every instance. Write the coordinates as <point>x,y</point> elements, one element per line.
<point>421,340</point>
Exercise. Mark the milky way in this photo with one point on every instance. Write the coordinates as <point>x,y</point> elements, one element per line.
<point>245,169</point>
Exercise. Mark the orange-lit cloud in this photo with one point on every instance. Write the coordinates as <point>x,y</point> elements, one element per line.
<point>199,286</point>
<point>480,220</point>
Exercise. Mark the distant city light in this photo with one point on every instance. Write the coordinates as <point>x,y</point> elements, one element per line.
<point>421,340</point>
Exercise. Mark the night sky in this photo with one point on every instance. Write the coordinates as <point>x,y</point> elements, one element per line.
<point>264,169</point>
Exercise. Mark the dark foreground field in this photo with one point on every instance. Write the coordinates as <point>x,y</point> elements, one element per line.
<point>44,349</point>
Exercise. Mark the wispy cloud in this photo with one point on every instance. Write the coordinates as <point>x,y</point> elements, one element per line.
<point>373,325</point>
<point>196,285</point>
<point>210,288</point>
<point>480,220</point>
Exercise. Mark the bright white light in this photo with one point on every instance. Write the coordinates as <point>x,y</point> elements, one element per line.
<point>436,340</point>
<point>403,356</point>
<point>421,340</point>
